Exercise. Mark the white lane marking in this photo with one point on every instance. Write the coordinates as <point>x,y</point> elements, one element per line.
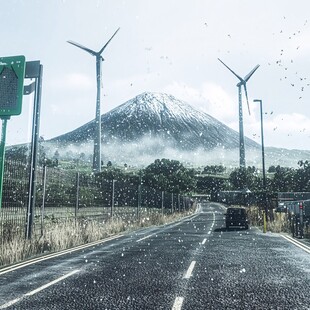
<point>49,256</point>
<point>146,237</point>
<point>299,244</point>
<point>172,225</point>
<point>10,303</point>
<point>204,241</point>
<point>178,303</point>
<point>39,289</point>
<point>190,270</point>
<point>52,283</point>
<point>209,232</point>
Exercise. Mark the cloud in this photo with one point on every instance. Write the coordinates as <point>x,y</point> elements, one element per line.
<point>294,122</point>
<point>73,81</point>
<point>143,152</point>
<point>212,99</point>
<point>282,129</point>
<point>209,98</point>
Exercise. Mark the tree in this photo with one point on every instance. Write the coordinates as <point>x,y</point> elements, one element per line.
<point>210,184</point>
<point>283,179</point>
<point>169,175</point>
<point>214,169</point>
<point>302,177</point>
<point>242,178</point>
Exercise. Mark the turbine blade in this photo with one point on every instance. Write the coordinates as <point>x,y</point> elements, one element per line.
<point>108,42</point>
<point>83,48</point>
<point>241,80</point>
<point>247,99</point>
<point>247,77</point>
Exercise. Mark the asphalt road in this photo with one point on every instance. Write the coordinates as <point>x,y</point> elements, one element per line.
<point>192,264</point>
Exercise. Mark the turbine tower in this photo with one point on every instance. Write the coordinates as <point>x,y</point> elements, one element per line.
<point>97,131</point>
<point>242,82</point>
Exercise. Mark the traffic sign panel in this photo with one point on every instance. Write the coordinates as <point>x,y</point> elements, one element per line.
<point>12,73</point>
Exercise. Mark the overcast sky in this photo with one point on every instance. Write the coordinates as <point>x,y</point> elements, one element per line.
<point>168,46</point>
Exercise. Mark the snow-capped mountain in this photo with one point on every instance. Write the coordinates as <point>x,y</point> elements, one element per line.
<point>155,115</point>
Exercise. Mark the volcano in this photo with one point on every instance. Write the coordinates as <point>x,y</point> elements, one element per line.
<point>156,115</point>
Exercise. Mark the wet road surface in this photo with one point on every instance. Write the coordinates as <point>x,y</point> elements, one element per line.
<point>192,264</point>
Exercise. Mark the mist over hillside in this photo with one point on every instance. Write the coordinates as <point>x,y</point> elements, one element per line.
<point>145,151</point>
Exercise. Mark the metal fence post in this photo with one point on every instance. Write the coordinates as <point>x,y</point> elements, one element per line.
<point>113,197</point>
<point>162,202</point>
<point>77,197</point>
<point>43,198</point>
<point>171,203</point>
<point>139,201</point>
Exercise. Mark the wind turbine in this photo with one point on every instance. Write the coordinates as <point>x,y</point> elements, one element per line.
<point>242,82</point>
<point>97,133</point>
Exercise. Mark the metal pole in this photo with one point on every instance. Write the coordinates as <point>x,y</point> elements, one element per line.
<point>113,199</point>
<point>171,203</point>
<point>2,154</point>
<point>162,202</point>
<point>263,149</point>
<point>77,197</point>
<point>139,194</point>
<point>139,201</point>
<point>97,131</point>
<point>241,133</point>
<point>43,199</point>
<point>263,156</point>
<point>33,153</point>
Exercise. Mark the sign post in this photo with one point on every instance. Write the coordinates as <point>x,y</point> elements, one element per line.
<point>12,72</point>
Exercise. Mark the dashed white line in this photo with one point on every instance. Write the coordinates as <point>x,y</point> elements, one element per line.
<point>10,303</point>
<point>39,289</point>
<point>146,237</point>
<point>178,303</point>
<point>190,270</point>
<point>204,241</point>
<point>209,232</point>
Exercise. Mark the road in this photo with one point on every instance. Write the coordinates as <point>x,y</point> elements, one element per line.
<point>191,264</point>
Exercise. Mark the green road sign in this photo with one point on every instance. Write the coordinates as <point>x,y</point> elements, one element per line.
<point>12,72</point>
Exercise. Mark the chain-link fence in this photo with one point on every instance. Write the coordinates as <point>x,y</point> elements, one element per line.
<point>65,194</point>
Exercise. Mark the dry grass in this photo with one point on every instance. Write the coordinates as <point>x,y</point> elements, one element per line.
<point>65,234</point>
<point>277,222</point>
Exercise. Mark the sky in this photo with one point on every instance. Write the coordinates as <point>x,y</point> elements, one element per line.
<point>167,46</point>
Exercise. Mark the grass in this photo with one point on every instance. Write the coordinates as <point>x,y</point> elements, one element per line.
<point>277,222</point>
<point>67,233</point>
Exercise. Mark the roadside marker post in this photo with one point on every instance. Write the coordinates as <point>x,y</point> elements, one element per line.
<point>12,73</point>
<point>265,222</point>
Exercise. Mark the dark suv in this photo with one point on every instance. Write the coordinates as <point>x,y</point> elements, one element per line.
<point>236,217</point>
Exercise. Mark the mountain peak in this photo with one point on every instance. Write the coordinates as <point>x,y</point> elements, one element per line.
<point>159,115</point>
<point>161,104</point>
